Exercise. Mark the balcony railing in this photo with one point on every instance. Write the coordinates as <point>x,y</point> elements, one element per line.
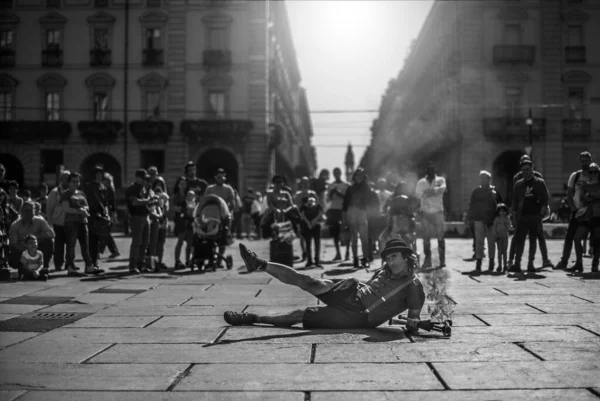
<point>100,57</point>
<point>216,58</point>
<point>508,128</point>
<point>7,57</point>
<point>233,131</point>
<point>52,58</point>
<point>27,131</point>
<point>577,128</point>
<point>152,57</point>
<point>575,54</point>
<point>151,131</point>
<point>514,54</point>
<point>100,131</point>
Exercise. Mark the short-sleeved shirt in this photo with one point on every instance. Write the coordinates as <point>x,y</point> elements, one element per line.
<point>224,192</point>
<point>76,200</point>
<point>32,262</point>
<point>584,178</point>
<point>19,230</point>
<point>301,197</point>
<point>531,203</point>
<point>137,191</point>
<point>336,192</point>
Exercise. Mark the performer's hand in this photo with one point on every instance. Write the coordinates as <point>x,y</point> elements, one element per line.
<point>345,285</point>
<point>412,325</point>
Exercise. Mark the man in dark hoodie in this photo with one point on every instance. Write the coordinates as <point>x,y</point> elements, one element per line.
<point>482,210</point>
<point>530,200</point>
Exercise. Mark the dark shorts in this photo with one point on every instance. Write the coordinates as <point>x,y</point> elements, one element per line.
<point>343,310</point>
<point>334,217</point>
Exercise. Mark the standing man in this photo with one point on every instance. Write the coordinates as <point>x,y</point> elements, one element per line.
<point>97,197</point>
<point>430,190</point>
<point>336,191</point>
<point>193,181</point>
<point>55,215</point>
<point>228,194</point>
<point>139,203</point>
<point>530,200</point>
<point>482,210</point>
<point>574,187</point>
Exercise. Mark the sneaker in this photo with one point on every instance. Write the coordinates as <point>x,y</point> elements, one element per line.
<point>531,268</point>
<point>309,264</point>
<point>92,270</point>
<point>240,318</point>
<point>560,265</point>
<point>338,258</point>
<point>251,261</point>
<point>73,273</point>
<point>365,264</point>
<point>134,270</point>
<point>318,265</point>
<point>515,268</point>
<point>114,255</point>
<point>547,263</point>
<point>577,267</point>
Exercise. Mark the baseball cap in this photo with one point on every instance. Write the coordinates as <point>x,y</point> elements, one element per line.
<point>220,171</point>
<point>142,173</point>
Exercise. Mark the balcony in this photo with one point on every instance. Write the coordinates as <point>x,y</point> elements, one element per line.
<point>232,131</point>
<point>100,57</point>
<point>151,131</point>
<point>100,131</point>
<point>152,57</point>
<point>7,58</point>
<point>502,128</point>
<point>216,58</point>
<point>34,131</point>
<point>576,129</point>
<point>575,54</point>
<point>513,54</point>
<point>52,58</point>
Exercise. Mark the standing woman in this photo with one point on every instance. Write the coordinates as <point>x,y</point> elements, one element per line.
<point>109,241</point>
<point>589,219</point>
<point>355,215</point>
<point>178,207</point>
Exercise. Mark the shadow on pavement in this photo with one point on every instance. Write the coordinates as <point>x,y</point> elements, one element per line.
<point>340,272</point>
<point>586,276</point>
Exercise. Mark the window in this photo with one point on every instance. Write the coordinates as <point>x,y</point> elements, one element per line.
<point>6,39</point>
<point>52,39</point>
<point>217,38</point>
<point>151,158</point>
<point>512,34</point>
<point>576,103</point>
<point>513,95</point>
<point>52,106</point>
<point>574,35</point>
<point>152,104</point>
<point>101,38</point>
<point>100,106</point>
<point>51,159</point>
<point>6,102</point>
<point>216,104</point>
<point>153,38</point>
<point>53,3</point>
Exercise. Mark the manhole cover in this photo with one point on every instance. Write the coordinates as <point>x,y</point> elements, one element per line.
<point>116,291</point>
<point>40,321</point>
<point>31,300</point>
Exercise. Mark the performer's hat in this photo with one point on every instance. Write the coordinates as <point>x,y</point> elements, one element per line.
<point>395,245</point>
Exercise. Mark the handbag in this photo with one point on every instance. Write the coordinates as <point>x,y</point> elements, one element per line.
<point>100,226</point>
<point>584,214</point>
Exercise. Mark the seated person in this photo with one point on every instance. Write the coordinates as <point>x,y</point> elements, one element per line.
<point>32,261</point>
<point>349,303</point>
<point>25,225</point>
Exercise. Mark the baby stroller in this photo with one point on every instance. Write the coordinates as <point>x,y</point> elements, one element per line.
<point>211,225</point>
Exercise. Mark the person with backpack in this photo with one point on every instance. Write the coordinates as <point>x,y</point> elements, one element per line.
<point>588,218</point>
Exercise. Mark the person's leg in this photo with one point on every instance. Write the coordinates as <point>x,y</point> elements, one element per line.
<point>94,246</point>
<point>178,246</point>
<point>513,247</point>
<point>440,231</point>
<point>83,238</point>
<point>363,231</point>
<point>578,238</point>
<point>504,247</point>
<point>153,244</point>
<point>112,245</point>
<point>46,246</point>
<point>543,246</point>
<point>71,233</point>
<point>568,243</point>
<point>145,238</point>
<point>427,230</point>
<point>532,228</point>
<point>162,239</point>
<point>60,240</point>
<point>520,237</point>
<point>136,225</point>
<point>317,238</point>
<point>307,237</point>
<point>288,275</point>
<point>14,257</point>
<point>283,319</point>
<point>491,243</point>
<point>353,227</point>
<point>595,234</point>
<point>479,227</point>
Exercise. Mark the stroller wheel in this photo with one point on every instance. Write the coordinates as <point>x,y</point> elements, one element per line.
<point>229,262</point>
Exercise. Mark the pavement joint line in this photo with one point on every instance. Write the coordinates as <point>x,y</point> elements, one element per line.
<point>187,300</point>
<point>538,309</point>
<point>588,330</point>
<point>438,376</point>
<point>86,360</point>
<point>258,293</point>
<point>474,279</point>
<point>313,352</point>
<point>583,299</point>
<point>152,322</point>
<point>501,291</point>
<point>543,285</point>
<point>593,391</point>
<point>524,348</point>
<point>451,300</point>
<point>412,340</point>
<point>245,307</point>
<point>219,336</point>
<point>480,319</point>
<point>180,377</point>
<point>210,286</point>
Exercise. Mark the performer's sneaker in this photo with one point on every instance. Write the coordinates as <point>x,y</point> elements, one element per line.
<point>251,261</point>
<point>240,318</point>
<point>547,263</point>
<point>577,267</point>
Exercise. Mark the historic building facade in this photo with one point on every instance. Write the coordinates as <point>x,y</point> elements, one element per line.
<point>151,82</point>
<point>488,81</point>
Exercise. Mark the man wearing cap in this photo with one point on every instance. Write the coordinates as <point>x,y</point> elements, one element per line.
<point>97,196</point>
<point>138,201</point>
<point>482,210</point>
<point>194,182</point>
<point>55,216</point>
<point>349,303</point>
<point>530,200</point>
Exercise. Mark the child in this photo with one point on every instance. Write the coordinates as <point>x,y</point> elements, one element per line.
<point>312,213</point>
<point>32,261</point>
<point>501,231</point>
<point>163,206</point>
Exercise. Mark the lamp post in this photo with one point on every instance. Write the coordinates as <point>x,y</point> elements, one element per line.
<point>529,122</point>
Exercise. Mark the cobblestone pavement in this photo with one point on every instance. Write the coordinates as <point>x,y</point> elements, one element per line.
<point>162,337</point>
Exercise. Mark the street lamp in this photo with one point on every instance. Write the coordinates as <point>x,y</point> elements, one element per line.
<point>529,122</point>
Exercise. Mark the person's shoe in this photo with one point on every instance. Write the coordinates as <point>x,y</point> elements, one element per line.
<point>91,270</point>
<point>318,264</point>
<point>426,263</point>
<point>595,266</point>
<point>252,261</point>
<point>43,275</point>
<point>134,270</point>
<point>365,263</point>
<point>58,268</point>
<point>499,269</point>
<point>515,268</point>
<point>114,255</point>
<point>309,263</point>
<point>560,265</point>
<point>531,268</point>
<point>240,318</point>
<point>549,264</point>
<point>179,265</point>
<point>99,270</point>
<point>471,259</point>
<point>338,258</point>
<point>73,273</point>
<point>491,266</point>
<point>577,267</point>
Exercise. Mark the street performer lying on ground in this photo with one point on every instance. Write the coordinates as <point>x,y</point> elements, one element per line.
<point>350,304</point>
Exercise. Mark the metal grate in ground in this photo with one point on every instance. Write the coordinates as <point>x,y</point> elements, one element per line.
<point>33,300</point>
<point>116,291</point>
<point>40,321</point>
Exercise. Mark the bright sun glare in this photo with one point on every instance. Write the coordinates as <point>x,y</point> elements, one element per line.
<point>348,21</point>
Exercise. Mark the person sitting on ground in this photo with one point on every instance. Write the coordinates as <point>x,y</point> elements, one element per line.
<point>25,225</point>
<point>349,303</point>
<point>32,261</point>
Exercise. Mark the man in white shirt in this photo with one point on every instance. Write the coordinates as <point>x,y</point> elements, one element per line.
<point>335,194</point>
<point>430,190</point>
<point>55,216</point>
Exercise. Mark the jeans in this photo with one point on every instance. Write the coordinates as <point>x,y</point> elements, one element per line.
<point>357,223</point>
<point>160,243</point>
<point>502,245</point>
<point>60,241</point>
<point>140,238</point>
<point>433,226</point>
<point>309,235</point>
<point>482,232</point>
<point>568,244</point>
<point>77,231</point>
<point>153,244</point>
<point>108,242</point>
<point>527,224</point>
<point>94,247</point>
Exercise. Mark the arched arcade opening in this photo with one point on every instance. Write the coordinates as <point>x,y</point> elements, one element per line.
<point>110,164</point>
<point>211,160</point>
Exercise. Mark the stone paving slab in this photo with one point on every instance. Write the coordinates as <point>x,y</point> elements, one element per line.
<point>420,352</point>
<point>566,308</point>
<point>208,309</point>
<point>50,348</point>
<point>15,309</point>
<point>267,334</point>
<point>523,375</point>
<point>538,319</point>
<point>160,396</point>
<point>10,395</point>
<point>189,322</point>
<point>295,301</point>
<point>495,395</point>
<point>74,307</point>
<point>565,351</point>
<point>167,300</point>
<point>464,309</point>
<point>12,290</point>
<point>307,377</point>
<point>88,376</point>
<point>523,299</point>
<point>181,290</point>
<point>196,353</point>
<point>6,316</point>
<point>139,336</point>
<point>8,338</point>
<point>131,286</point>
<point>592,326</point>
<point>113,321</point>
<point>70,289</point>
<point>103,299</point>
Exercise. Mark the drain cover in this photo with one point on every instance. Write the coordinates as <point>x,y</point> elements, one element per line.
<point>40,321</point>
<point>116,291</point>
<point>31,300</point>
